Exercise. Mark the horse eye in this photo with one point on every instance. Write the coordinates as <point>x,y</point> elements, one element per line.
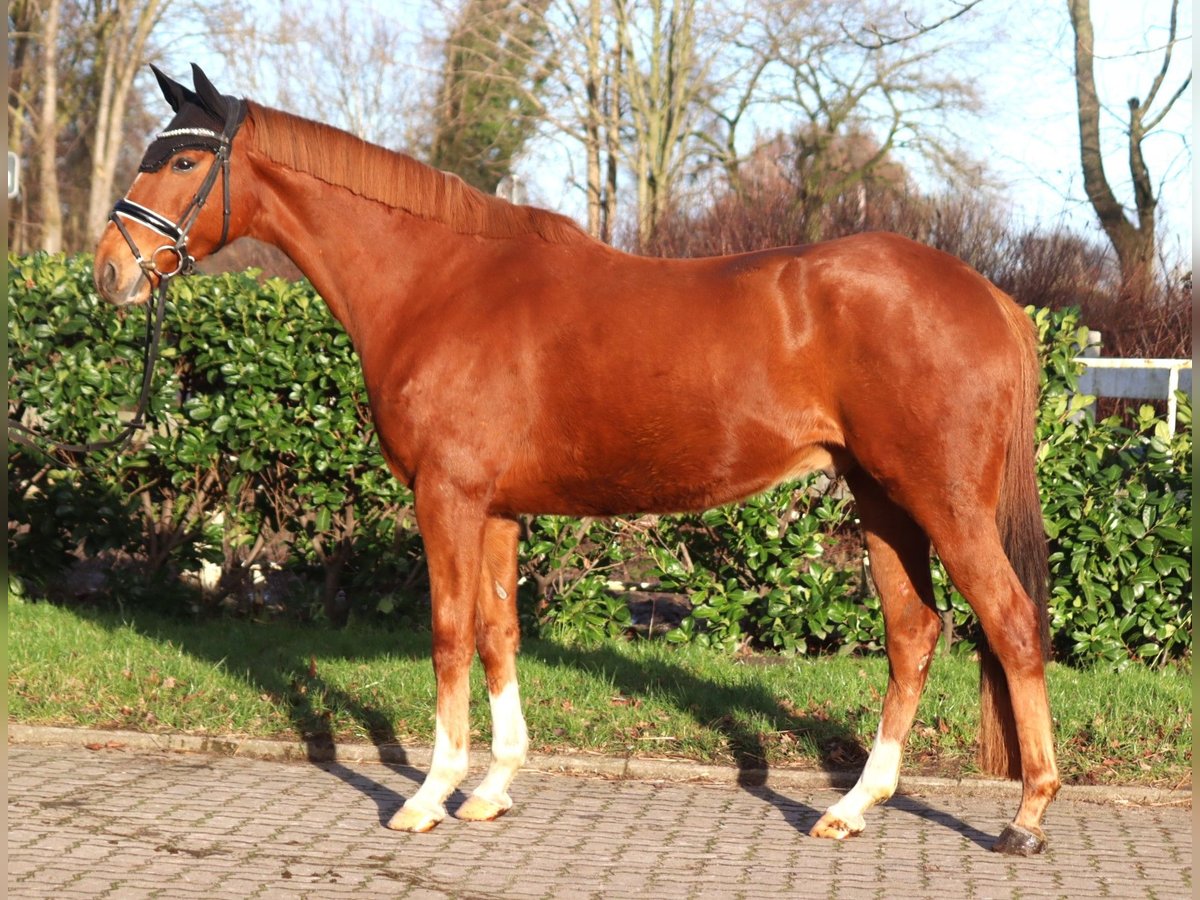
<point>183,164</point>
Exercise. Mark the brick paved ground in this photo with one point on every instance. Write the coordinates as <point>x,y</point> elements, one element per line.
<point>112,823</point>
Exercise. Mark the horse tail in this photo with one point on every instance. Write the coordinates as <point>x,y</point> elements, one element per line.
<point>1023,534</point>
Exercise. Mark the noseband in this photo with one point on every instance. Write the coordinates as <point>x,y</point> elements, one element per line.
<point>177,232</point>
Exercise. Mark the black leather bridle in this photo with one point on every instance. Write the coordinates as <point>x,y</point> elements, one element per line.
<point>178,231</point>
<point>219,143</point>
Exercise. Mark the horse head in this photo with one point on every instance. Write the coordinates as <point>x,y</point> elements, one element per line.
<point>174,213</point>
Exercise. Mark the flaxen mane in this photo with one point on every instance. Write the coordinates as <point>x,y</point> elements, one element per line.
<point>398,180</point>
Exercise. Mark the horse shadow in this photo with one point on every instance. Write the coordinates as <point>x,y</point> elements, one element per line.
<point>723,707</point>
<point>915,806</point>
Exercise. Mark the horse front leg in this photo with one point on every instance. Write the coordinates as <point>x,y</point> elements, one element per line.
<point>452,527</point>
<point>497,635</point>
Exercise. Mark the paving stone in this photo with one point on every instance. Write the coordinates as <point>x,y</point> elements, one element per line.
<point>127,825</point>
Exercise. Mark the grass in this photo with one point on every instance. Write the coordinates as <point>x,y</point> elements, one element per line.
<point>149,673</point>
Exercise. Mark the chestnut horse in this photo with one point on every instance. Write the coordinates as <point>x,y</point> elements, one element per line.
<point>515,365</point>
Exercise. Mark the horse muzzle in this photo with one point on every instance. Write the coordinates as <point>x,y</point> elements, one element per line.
<point>121,283</point>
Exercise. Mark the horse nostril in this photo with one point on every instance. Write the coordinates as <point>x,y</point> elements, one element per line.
<point>108,278</point>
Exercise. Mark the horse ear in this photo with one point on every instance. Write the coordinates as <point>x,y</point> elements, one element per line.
<point>175,93</point>
<point>210,97</point>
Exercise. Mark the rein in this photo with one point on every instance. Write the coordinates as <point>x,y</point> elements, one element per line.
<point>35,440</point>
<point>178,233</point>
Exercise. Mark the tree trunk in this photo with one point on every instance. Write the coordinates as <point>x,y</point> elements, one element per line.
<point>1133,243</point>
<point>21,14</point>
<point>100,146</point>
<point>663,91</point>
<point>50,207</point>
<point>608,206</point>
<point>592,88</point>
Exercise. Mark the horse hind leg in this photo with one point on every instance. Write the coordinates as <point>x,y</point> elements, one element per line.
<point>497,635</point>
<point>977,564</point>
<point>899,552</point>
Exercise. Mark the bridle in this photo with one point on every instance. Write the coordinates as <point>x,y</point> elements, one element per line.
<point>178,233</point>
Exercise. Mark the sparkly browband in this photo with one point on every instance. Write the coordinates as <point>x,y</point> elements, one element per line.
<point>196,129</point>
<point>201,132</point>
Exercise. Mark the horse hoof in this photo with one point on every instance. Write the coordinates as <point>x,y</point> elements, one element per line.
<point>1017,841</point>
<point>482,809</point>
<point>834,828</point>
<point>413,820</point>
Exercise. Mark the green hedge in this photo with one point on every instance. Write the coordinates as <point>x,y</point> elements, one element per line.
<point>1117,502</point>
<point>263,449</point>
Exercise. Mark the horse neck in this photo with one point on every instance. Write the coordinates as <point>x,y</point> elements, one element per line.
<point>363,257</point>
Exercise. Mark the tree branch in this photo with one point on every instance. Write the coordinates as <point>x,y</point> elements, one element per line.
<point>880,40</point>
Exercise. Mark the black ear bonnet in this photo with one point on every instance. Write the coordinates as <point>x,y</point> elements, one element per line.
<point>202,117</point>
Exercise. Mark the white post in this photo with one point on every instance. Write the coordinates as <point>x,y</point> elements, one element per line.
<point>1087,381</point>
<point>1172,403</point>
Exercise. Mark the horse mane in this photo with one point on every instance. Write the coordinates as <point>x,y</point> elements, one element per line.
<point>397,180</point>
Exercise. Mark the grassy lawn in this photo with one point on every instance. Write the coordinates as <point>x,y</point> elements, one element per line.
<point>71,667</point>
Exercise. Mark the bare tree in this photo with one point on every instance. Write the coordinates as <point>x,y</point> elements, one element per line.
<point>358,61</point>
<point>665,76</point>
<point>70,101</point>
<point>632,86</point>
<point>1134,240</point>
<point>22,22</point>
<point>583,100</point>
<point>871,36</point>
<point>123,29</point>
<point>889,96</point>
<point>363,79</point>
<point>601,125</point>
<point>489,96</point>
<point>662,90</point>
<point>512,70</point>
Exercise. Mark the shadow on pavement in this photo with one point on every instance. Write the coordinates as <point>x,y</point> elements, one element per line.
<point>919,808</point>
<point>387,800</point>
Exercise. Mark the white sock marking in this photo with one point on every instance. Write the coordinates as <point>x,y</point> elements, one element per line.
<point>877,783</point>
<point>510,741</point>
<point>448,768</point>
